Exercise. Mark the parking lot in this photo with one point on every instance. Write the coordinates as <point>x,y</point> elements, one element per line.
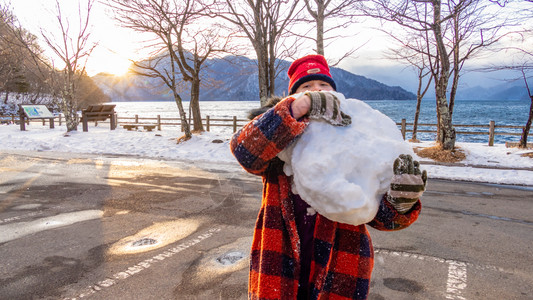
<point>114,227</point>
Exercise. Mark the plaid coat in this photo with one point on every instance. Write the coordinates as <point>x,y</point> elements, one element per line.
<point>343,256</point>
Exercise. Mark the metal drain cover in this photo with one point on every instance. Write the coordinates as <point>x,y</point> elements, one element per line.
<point>230,258</point>
<point>144,242</point>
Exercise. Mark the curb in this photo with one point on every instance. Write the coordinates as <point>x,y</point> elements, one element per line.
<point>435,163</point>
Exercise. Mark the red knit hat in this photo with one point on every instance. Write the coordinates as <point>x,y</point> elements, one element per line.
<point>307,68</point>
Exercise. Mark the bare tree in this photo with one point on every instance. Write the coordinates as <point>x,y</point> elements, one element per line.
<point>454,31</point>
<point>180,35</point>
<point>72,49</point>
<point>411,52</point>
<point>322,10</point>
<point>23,69</point>
<point>12,58</point>
<point>524,68</point>
<point>264,23</point>
<point>526,129</point>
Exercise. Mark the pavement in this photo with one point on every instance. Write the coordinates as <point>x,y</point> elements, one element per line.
<point>76,226</point>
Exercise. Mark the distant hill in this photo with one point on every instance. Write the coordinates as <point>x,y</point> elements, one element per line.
<point>235,78</point>
<point>502,92</point>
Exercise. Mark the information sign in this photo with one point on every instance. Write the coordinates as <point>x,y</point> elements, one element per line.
<point>37,111</point>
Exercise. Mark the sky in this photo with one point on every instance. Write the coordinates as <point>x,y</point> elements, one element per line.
<point>500,165</point>
<point>118,45</point>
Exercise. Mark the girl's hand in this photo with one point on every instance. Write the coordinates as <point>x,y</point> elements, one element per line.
<point>300,106</point>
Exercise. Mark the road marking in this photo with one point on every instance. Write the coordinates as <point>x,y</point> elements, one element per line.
<point>456,280</point>
<point>145,264</point>
<point>27,215</point>
<point>14,231</point>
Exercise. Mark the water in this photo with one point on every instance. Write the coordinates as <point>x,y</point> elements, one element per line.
<point>514,113</point>
<point>470,112</point>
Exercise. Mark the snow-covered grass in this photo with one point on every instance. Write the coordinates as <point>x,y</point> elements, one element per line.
<point>505,165</point>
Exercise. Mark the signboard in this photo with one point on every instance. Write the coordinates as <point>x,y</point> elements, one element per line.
<point>37,112</point>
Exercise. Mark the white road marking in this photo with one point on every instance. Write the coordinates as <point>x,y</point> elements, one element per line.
<point>145,264</point>
<point>27,215</point>
<point>456,280</point>
<point>457,273</point>
<point>14,231</point>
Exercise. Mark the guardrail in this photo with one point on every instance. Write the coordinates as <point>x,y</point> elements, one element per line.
<point>461,129</point>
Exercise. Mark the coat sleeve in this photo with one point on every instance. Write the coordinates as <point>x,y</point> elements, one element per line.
<point>389,219</point>
<point>259,141</point>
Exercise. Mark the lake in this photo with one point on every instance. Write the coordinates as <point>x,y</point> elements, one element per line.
<point>469,112</point>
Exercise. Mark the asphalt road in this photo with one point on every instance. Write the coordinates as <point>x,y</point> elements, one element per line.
<point>107,227</point>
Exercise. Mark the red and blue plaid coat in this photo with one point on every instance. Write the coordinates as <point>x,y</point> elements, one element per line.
<point>343,256</point>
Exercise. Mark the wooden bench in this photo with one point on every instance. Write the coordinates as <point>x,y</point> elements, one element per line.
<point>99,113</point>
<point>147,127</point>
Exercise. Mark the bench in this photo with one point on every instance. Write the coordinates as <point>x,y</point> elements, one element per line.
<point>147,127</point>
<point>99,113</point>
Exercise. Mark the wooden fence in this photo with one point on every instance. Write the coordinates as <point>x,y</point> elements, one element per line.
<point>491,129</point>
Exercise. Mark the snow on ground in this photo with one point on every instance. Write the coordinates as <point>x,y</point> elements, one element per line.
<point>499,164</point>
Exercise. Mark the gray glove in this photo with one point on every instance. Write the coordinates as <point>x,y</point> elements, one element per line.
<point>327,107</point>
<point>407,184</point>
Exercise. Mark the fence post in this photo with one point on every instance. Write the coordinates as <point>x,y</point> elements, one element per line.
<point>112,121</point>
<point>21,119</point>
<point>234,124</point>
<point>84,122</point>
<point>404,128</point>
<point>491,133</point>
<point>59,119</point>
<point>44,122</point>
<point>207,123</point>
<point>136,119</point>
<point>159,122</point>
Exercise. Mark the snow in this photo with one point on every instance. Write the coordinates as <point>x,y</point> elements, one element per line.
<point>501,165</point>
<point>342,172</point>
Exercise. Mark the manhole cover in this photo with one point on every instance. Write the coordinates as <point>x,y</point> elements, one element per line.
<point>230,258</point>
<point>144,242</point>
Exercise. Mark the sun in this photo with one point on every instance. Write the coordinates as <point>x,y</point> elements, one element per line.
<point>111,64</point>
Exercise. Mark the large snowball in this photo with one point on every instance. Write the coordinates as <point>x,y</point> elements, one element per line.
<point>342,172</point>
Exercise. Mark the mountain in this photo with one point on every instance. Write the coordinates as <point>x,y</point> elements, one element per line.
<point>235,78</point>
<point>502,92</point>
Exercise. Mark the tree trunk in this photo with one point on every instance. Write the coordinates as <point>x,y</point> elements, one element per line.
<point>271,71</point>
<point>446,134</point>
<point>262,73</point>
<point>70,112</point>
<point>68,104</point>
<point>525,131</point>
<point>445,130</point>
<point>456,62</point>
<point>320,31</point>
<point>453,90</point>
<point>183,117</point>
<point>195,105</point>
<point>417,114</point>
